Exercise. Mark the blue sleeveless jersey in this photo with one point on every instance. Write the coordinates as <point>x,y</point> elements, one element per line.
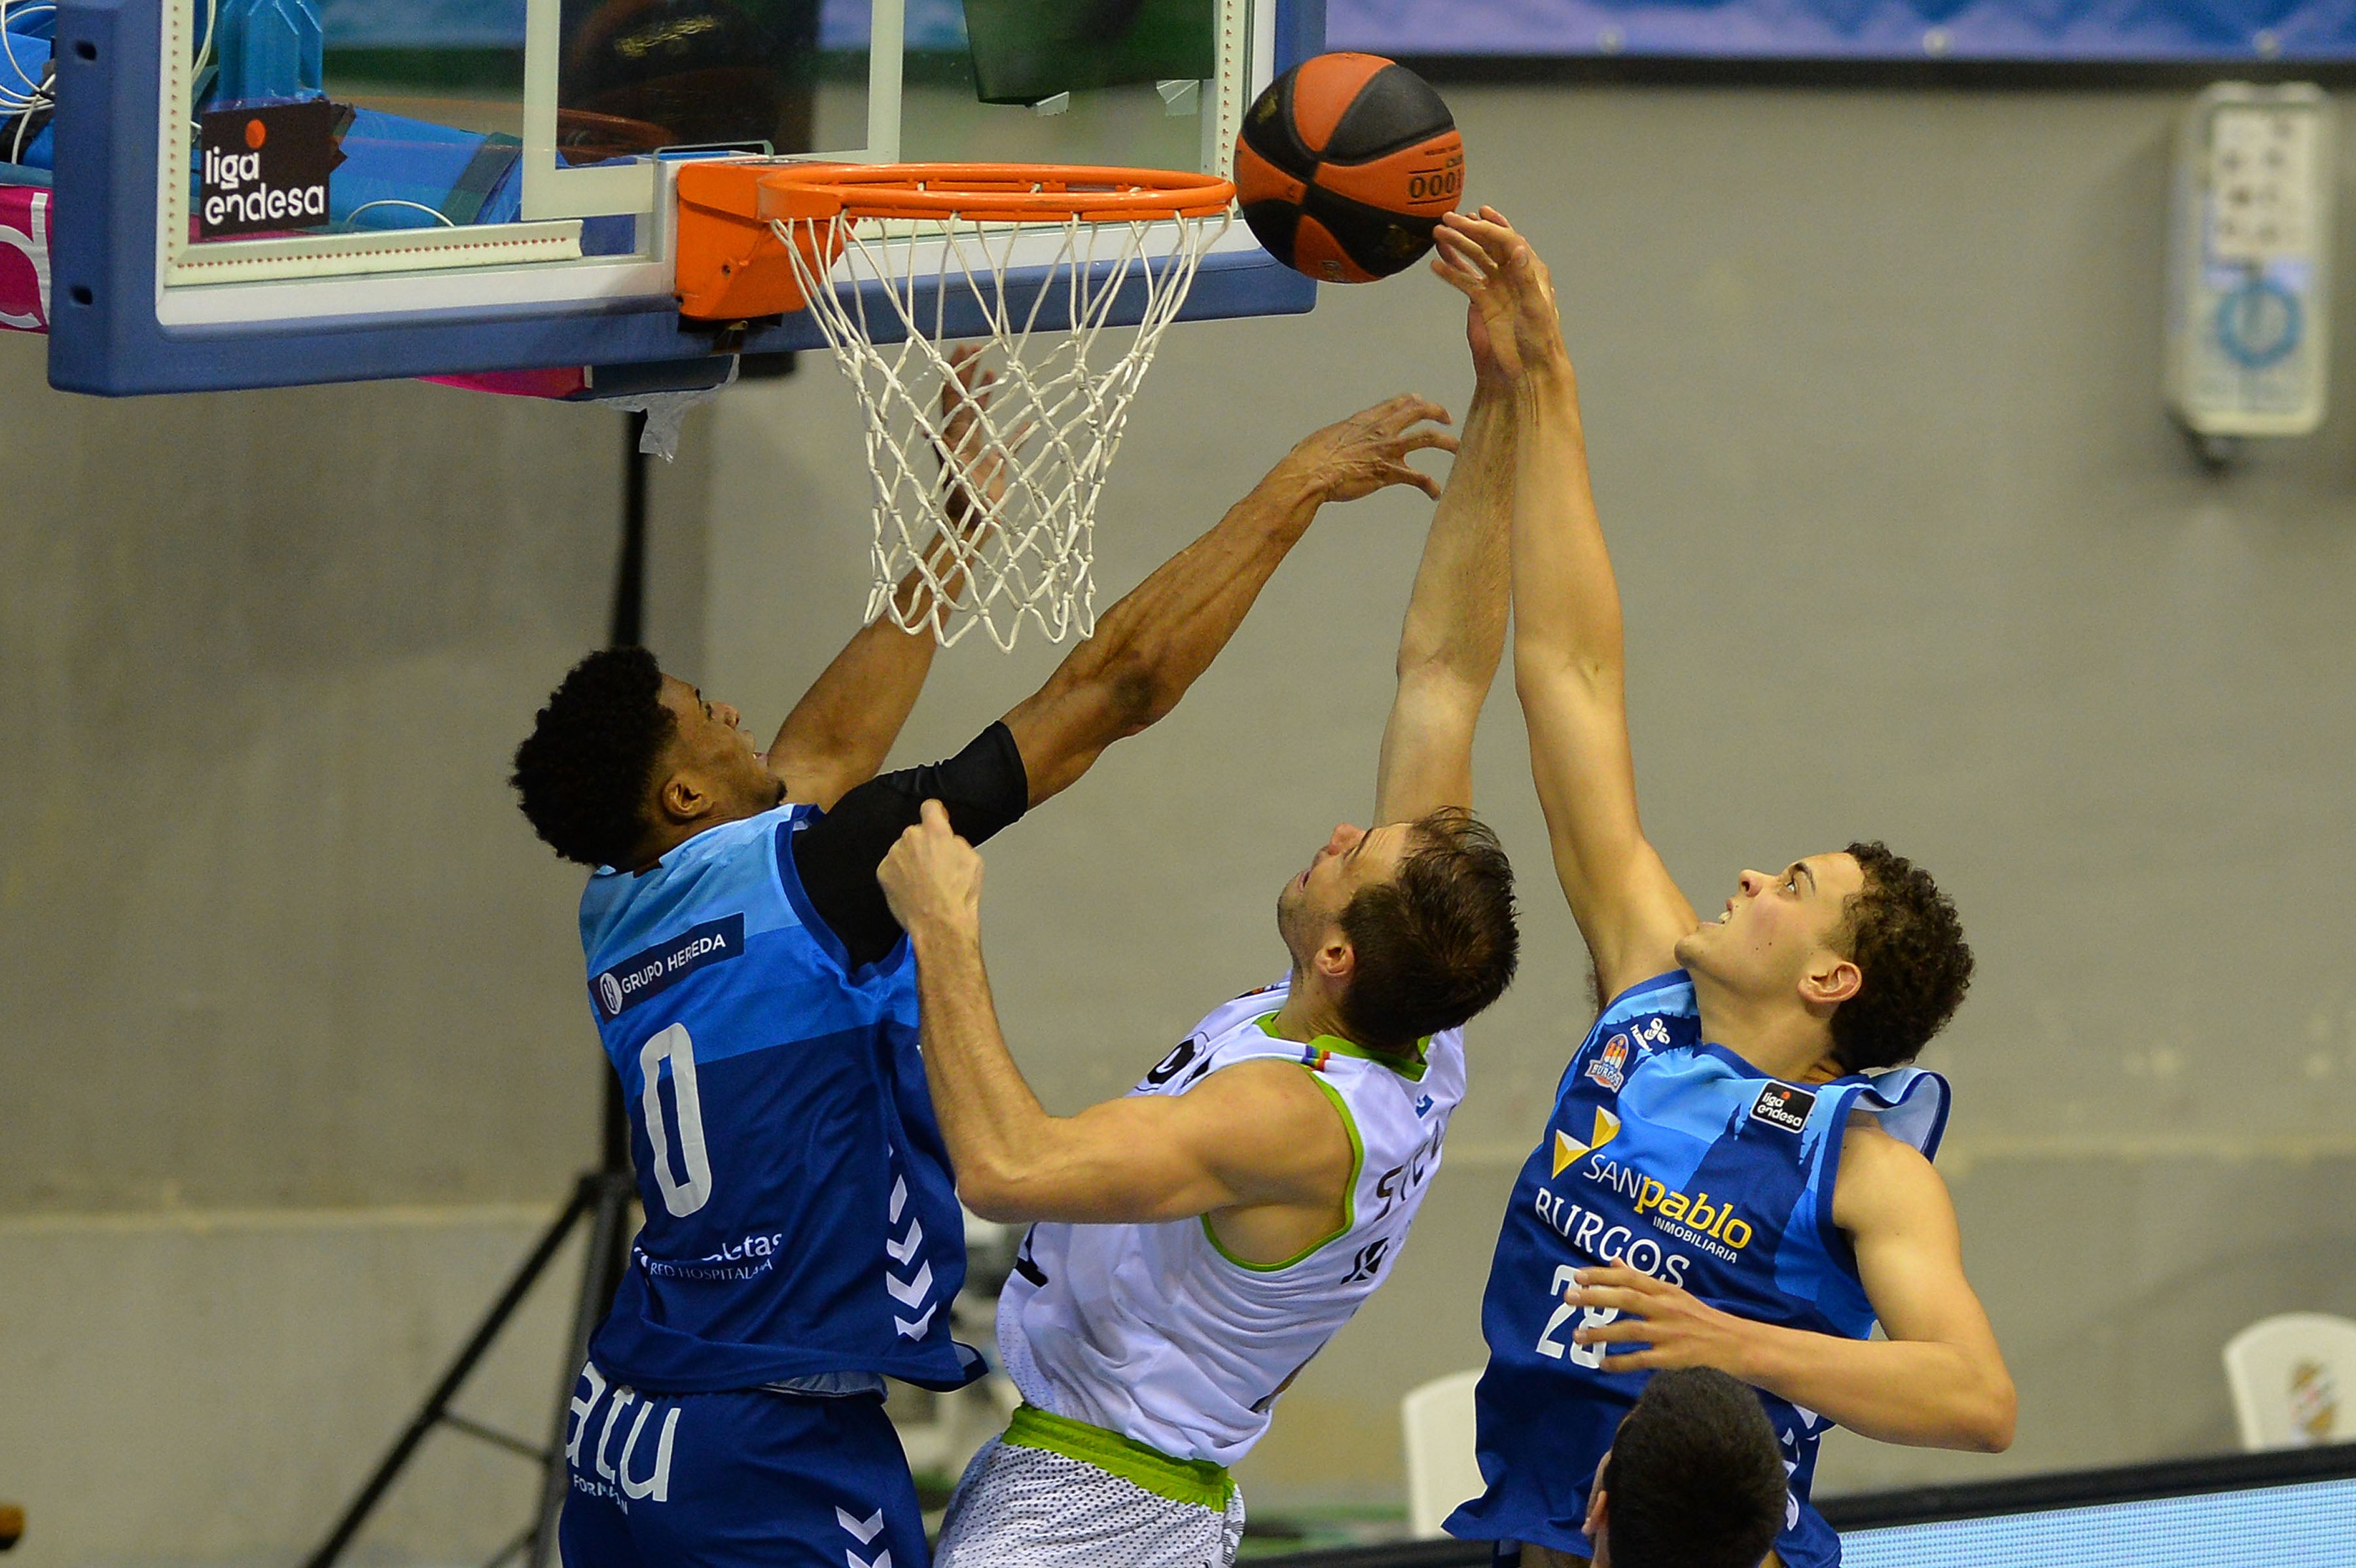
<point>1679,1158</point>
<point>800,1216</point>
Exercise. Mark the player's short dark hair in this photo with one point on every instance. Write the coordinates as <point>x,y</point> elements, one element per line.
<point>1435,943</point>
<point>1695,1478</point>
<point>585,771</point>
<point>1905,939</point>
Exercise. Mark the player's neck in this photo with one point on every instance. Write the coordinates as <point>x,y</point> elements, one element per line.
<point>1306,1014</point>
<point>673,835</point>
<point>1775,1035</point>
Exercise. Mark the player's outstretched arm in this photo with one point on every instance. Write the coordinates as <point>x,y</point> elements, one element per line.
<point>1568,660</point>
<point>1938,1381</point>
<point>1257,1133</point>
<point>1454,634</point>
<point>844,727</point>
<point>1150,647</point>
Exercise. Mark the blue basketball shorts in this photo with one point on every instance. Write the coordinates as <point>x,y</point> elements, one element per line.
<point>743,1479</point>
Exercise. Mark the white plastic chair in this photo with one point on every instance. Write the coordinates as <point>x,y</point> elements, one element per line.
<point>1441,1472</point>
<point>2294,1380</point>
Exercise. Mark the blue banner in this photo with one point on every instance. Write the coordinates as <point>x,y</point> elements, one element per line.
<point>2088,30</point>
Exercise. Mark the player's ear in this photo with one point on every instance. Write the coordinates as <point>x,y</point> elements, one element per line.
<point>681,797</point>
<point>1830,981</point>
<point>1598,1507</point>
<point>1337,959</point>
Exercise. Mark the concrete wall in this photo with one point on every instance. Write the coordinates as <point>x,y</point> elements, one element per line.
<point>1908,551</point>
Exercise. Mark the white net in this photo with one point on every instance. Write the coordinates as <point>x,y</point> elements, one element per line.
<point>989,458</point>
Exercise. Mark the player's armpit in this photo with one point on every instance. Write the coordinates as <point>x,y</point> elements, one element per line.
<point>1253,1134</point>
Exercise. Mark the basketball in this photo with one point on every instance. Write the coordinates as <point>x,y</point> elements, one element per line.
<point>1344,164</point>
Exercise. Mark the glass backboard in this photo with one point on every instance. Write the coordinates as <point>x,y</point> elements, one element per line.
<point>274,192</point>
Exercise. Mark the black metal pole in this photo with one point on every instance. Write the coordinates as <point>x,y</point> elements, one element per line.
<point>437,1402</point>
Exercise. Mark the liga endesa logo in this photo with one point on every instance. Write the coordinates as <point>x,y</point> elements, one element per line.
<point>266,168</point>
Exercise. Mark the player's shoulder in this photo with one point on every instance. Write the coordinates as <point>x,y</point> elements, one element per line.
<point>1266,1107</point>
<point>1882,1178</point>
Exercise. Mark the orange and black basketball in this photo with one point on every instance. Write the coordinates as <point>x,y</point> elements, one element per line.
<point>1344,164</point>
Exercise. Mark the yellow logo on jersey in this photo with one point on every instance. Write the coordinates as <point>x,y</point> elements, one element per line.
<point>1567,1148</point>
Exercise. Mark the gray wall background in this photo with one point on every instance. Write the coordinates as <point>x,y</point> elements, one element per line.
<point>292,1031</point>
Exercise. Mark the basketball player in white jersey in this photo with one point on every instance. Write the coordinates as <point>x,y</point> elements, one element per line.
<point>1194,1243</point>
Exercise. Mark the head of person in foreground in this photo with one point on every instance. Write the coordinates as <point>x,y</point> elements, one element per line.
<point>1861,940</point>
<point>623,752</point>
<point>1693,1480</point>
<point>1398,931</point>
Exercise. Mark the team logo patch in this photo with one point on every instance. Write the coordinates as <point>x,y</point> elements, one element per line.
<point>659,968</point>
<point>1781,1105</point>
<point>1567,1148</point>
<point>1609,1068</point>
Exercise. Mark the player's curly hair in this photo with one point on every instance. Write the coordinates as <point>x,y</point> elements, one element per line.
<point>1437,942</point>
<point>1905,939</point>
<point>1695,1478</point>
<point>584,770</point>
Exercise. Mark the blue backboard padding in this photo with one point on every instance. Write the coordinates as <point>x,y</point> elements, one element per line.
<point>105,337</point>
<point>2308,1526</point>
<point>2089,30</point>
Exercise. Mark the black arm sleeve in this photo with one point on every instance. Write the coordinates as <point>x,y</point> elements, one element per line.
<point>985,788</point>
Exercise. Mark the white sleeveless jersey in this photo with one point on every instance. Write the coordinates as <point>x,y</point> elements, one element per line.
<point>1153,1331</point>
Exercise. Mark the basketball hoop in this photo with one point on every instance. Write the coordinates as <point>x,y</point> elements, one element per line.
<point>987,464</point>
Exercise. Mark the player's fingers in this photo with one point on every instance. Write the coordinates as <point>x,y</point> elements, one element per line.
<point>1494,238</point>
<point>1400,474</point>
<point>1428,440</point>
<point>1634,1361</point>
<point>1463,252</point>
<point>936,817</point>
<point>1625,1327</point>
<point>1617,1273</point>
<point>1411,409</point>
<point>1626,1302</point>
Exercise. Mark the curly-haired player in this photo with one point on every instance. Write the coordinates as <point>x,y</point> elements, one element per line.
<point>758,1002</point>
<point>1719,1184</point>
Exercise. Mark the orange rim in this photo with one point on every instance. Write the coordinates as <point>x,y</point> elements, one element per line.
<point>1017,193</point>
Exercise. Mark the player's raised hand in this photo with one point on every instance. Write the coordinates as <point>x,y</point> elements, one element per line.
<point>1515,325</point>
<point>1677,1327</point>
<point>932,878</point>
<point>1368,451</point>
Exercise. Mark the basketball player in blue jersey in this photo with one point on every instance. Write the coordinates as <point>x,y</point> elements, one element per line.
<point>802,1236</point>
<point>1194,1243</point>
<point>1719,1184</point>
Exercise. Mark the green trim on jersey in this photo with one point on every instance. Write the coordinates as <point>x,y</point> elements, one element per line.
<point>1349,1193</point>
<point>1410,1067</point>
<point>1198,1481</point>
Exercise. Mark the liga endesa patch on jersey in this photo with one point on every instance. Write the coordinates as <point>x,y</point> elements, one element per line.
<point>1781,1105</point>
<point>659,968</point>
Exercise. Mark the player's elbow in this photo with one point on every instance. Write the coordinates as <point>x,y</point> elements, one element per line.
<point>1985,1425</point>
<point>994,1194</point>
<point>1545,676</point>
<point>1450,672</point>
<point>1997,1420</point>
<point>1120,689</point>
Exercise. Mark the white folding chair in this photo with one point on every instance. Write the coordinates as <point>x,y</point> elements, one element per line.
<point>2294,1380</point>
<point>1441,1472</point>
